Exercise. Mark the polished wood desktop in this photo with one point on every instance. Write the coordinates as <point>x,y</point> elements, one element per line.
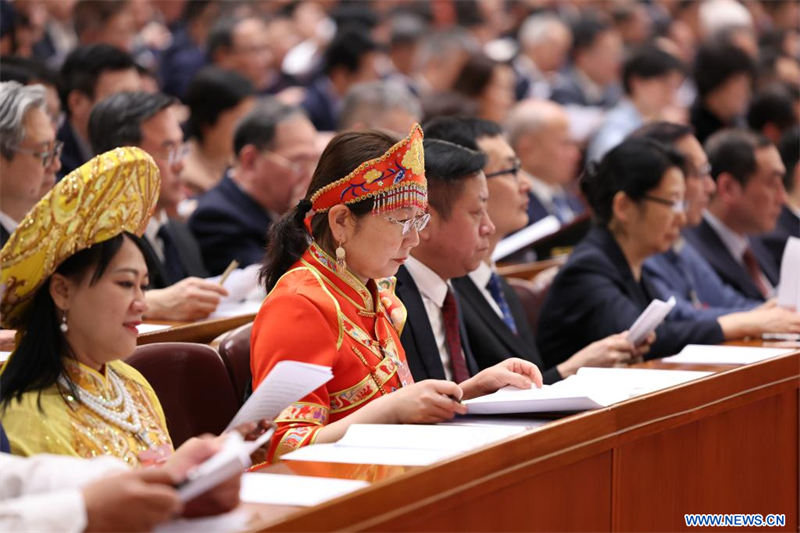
<point>200,331</point>
<point>727,443</point>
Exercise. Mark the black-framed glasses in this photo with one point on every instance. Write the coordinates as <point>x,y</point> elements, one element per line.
<point>418,222</point>
<point>677,206</point>
<point>48,157</point>
<point>514,170</point>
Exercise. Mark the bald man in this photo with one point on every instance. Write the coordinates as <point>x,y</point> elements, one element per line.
<point>539,133</point>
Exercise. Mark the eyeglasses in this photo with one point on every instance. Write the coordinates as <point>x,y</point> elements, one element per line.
<point>48,157</point>
<point>699,172</point>
<point>677,206</point>
<point>173,155</point>
<point>297,167</point>
<point>514,171</point>
<point>417,222</point>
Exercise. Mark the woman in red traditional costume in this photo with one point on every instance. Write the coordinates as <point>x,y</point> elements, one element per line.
<point>357,224</point>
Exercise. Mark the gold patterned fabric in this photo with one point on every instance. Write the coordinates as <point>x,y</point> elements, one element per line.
<point>112,193</point>
<point>64,426</point>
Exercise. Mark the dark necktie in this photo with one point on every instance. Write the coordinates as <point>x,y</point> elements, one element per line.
<point>173,267</point>
<point>496,290</point>
<point>452,337</point>
<point>751,264</point>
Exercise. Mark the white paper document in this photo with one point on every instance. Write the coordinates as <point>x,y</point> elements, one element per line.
<point>4,356</point>
<point>403,444</point>
<point>242,284</point>
<point>725,355</point>
<point>525,237</point>
<point>304,491</point>
<point>649,320</point>
<point>288,382</point>
<point>229,309</point>
<point>789,288</point>
<point>149,328</point>
<point>237,520</point>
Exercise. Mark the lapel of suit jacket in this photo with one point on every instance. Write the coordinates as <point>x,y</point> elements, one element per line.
<point>155,267</point>
<point>417,331</point>
<point>765,261</point>
<point>470,294</point>
<point>472,364</point>
<point>255,215</point>
<point>188,250</point>
<point>707,242</point>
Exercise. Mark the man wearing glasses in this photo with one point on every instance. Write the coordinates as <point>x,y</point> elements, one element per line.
<point>276,153</point>
<point>29,152</point>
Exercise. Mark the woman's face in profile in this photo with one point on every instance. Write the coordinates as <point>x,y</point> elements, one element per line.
<point>660,214</point>
<point>102,317</point>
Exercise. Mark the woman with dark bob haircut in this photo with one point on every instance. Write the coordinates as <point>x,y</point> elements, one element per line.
<point>637,195</point>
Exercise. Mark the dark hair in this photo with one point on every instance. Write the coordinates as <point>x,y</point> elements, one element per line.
<point>37,360</point>
<point>475,75</point>
<point>585,32</point>
<point>288,237</point>
<point>664,132</point>
<point>220,36</point>
<point>771,105</point>
<point>27,70</point>
<point>259,126</point>
<point>464,131</point>
<point>649,62</point>
<point>407,29</point>
<point>447,167</point>
<point>733,151</point>
<point>117,120</point>
<point>84,65</point>
<point>211,92</point>
<point>718,61</point>
<point>790,154</point>
<point>90,14</point>
<point>348,48</point>
<point>634,167</point>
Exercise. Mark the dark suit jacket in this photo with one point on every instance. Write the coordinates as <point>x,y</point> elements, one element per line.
<point>490,339</point>
<point>228,224</point>
<point>417,338</point>
<point>537,211</point>
<point>71,156</point>
<point>4,236</point>
<point>595,295</point>
<point>704,122</point>
<point>707,242</point>
<point>320,105</point>
<point>188,250</point>
<point>788,226</point>
<point>568,90</point>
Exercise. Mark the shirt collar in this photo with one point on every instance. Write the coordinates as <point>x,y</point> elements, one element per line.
<point>430,285</point>
<point>8,223</point>
<point>158,219</point>
<point>481,275</point>
<point>735,243</point>
<point>543,190</point>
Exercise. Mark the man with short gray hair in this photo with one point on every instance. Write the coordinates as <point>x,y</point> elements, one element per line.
<point>29,152</point>
<point>380,104</point>
<point>544,42</point>
<point>276,153</point>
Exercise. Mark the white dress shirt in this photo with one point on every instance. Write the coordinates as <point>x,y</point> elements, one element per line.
<point>8,223</point>
<point>151,232</point>
<point>736,245</point>
<point>433,290</point>
<point>480,277</point>
<point>42,493</point>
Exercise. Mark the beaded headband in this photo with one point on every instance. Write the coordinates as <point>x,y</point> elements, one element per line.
<point>394,180</point>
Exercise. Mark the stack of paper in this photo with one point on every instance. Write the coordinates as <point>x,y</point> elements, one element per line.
<point>525,237</point>
<point>725,355</point>
<point>304,491</point>
<point>408,445</point>
<point>649,320</point>
<point>244,293</point>
<point>789,288</point>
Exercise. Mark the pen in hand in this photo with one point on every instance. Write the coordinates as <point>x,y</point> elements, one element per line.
<point>233,266</point>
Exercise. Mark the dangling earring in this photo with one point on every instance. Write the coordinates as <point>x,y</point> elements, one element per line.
<point>341,265</point>
<point>64,327</point>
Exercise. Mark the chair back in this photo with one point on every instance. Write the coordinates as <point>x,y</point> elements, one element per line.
<point>234,348</point>
<point>533,293</point>
<point>191,383</point>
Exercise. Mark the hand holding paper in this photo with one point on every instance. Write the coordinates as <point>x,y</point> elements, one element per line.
<point>649,320</point>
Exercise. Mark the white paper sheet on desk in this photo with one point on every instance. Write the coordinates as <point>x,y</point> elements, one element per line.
<point>4,356</point>
<point>725,355</point>
<point>649,320</point>
<point>789,288</point>
<point>149,328</point>
<point>303,491</point>
<point>242,284</point>
<point>232,522</point>
<point>288,382</point>
<point>229,309</point>
<point>633,381</point>
<point>330,453</point>
<point>525,237</point>
<point>561,397</point>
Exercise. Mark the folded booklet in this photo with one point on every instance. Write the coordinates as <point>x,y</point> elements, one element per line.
<point>649,320</point>
<point>789,288</point>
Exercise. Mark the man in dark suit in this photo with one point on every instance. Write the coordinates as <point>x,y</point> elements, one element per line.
<point>789,220</point>
<point>276,153</point>
<point>175,265</point>
<point>90,74</point>
<point>748,172</point>
<point>349,59</point>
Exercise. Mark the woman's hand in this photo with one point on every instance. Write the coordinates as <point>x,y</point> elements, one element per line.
<point>426,402</point>
<point>614,350</point>
<point>513,372</point>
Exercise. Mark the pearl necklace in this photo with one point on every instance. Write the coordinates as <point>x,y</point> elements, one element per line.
<point>104,408</point>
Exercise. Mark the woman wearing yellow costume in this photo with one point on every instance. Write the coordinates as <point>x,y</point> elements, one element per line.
<point>73,277</point>
<point>357,224</point>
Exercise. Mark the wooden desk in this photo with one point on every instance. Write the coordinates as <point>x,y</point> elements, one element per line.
<point>727,443</point>
<point>201,331</point>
